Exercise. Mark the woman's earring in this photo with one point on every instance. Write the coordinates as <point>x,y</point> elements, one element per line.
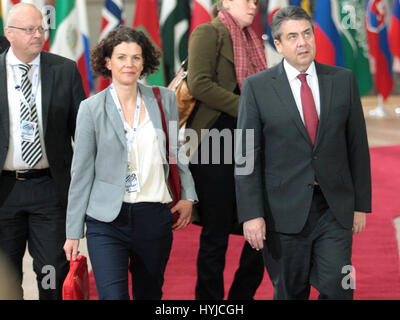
<point>228,7</point>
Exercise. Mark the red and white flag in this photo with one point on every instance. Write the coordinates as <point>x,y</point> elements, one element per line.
<point>112,17</point>
<point>200,13</point>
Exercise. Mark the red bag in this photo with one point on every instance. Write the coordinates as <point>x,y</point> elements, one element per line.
<point>76,284</point>
<point>174,181</point>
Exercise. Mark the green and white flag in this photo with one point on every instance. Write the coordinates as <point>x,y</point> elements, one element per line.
<point>67,40</point>
<point>174,21</point>
<point>1,19</point>
<point>355,44</point>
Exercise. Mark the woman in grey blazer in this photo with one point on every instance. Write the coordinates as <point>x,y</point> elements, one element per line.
<point>120,172</point>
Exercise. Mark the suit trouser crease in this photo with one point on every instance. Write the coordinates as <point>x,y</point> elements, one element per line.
<point>30,212</point>
<point>315,256</point>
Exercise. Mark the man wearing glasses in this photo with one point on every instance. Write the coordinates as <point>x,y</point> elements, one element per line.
<point>39,98</point>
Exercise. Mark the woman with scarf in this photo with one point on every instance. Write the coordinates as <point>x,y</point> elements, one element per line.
<point>221,55</point>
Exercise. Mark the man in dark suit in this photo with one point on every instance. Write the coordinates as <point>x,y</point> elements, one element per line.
<point>310,187</point>
<point>39,99</point>
<point>4,44</point>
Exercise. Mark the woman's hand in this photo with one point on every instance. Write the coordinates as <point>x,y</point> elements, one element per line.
<point>71,249</point>
<point>184,208</point>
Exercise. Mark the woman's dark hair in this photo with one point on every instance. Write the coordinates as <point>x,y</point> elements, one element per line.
<point>285,14</point>
<point>121,34</point>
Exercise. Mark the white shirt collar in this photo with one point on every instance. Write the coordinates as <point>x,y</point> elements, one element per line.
<point>13,60</point>
<point>292,72</point>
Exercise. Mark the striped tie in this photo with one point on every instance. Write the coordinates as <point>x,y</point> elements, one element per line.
<point>31,151</point>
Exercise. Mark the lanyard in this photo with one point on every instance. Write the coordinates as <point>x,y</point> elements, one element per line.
<point>35,86</point>
<point>130,133</point>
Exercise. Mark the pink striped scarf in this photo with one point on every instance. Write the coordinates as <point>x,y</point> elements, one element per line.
<point>248,51</point>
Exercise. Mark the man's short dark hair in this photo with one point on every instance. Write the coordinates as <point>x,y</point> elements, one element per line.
<point>285,14</point>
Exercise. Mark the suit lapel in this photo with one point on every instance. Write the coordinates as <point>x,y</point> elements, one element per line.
<point>282,88</point>
<point>47,80</point>
<point>152,108</point>
<point>151,104</point>
<point>115,118</point>
<point>4,114</point>
<point>325,92</point>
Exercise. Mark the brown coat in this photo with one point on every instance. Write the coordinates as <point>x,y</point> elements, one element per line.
<point>211,82</point>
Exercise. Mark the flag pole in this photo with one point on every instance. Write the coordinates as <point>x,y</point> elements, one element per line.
<point>379,111</point>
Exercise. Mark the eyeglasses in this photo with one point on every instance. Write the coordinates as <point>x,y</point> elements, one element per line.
<point>31,30</point>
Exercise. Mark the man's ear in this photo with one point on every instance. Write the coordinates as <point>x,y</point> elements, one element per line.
<point>8,34</point>
<point>278,46</point>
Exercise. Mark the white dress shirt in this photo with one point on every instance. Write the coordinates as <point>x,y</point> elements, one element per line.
<point>295,85</point>
<point>14,156</point>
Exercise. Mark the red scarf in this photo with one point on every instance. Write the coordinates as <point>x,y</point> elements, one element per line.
<point>248,51</point>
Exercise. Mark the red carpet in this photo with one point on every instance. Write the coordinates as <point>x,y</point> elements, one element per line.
<point>375,252</point>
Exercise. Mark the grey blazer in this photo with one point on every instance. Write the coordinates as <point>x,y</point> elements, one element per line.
<point>99,162</point>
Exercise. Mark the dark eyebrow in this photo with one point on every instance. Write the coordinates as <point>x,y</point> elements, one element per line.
<point>123,54</point>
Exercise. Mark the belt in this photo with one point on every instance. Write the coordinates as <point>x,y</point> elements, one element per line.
<point>26,174</point>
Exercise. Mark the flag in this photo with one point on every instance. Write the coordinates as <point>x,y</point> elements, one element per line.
<point>6,5</point>
<point>273,57</point>
<point>84,60</point>
<point>394,30</point>
<point>257,24</point>
<point>327,37</point>
<point>381,59</point>
<point>68,40</point>
<point>305,4</point>
<point>200,13</point>
<point>1,20</point>
<point>354,40</point>
<point>146,19</point>
<point>174,20</point>
<point>112,17</point>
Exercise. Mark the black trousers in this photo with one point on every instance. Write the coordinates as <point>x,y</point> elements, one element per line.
<point>30,212</point>
<point>320,255</point>
<point>140,239</point>
<point>215,187</point>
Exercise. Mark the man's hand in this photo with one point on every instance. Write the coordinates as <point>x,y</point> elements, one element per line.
<point>184,207</point>
<point>254,232</point>
<point>359,222</point>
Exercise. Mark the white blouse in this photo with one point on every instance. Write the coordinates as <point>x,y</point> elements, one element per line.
<point>146,159</point>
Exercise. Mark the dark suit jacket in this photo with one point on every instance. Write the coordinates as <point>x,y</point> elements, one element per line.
<point>4,44</point>
<point>280,188</point>
<point>62,92</point>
